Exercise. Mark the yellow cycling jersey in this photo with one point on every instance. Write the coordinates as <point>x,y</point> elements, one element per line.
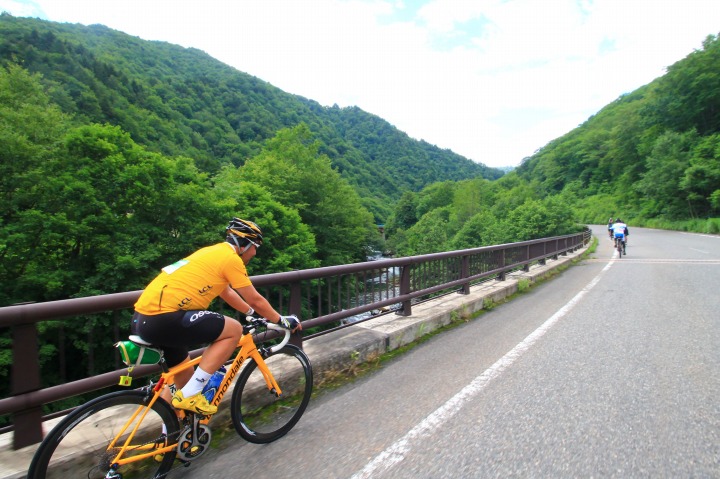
<point>193,282</point>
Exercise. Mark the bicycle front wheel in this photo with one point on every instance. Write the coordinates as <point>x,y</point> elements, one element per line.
<point>258,414</point>
<point>81,445</point>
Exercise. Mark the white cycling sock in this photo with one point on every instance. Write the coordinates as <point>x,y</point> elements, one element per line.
<point>196,383</point>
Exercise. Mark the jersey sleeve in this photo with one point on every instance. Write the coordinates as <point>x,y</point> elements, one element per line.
<point>236,273</point>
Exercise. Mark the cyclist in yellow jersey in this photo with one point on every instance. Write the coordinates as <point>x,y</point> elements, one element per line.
<point>172,310</point>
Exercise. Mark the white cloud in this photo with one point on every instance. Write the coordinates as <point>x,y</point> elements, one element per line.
<point>493,80</point>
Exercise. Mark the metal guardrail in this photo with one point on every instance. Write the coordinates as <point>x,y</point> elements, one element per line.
<point>326,296</point>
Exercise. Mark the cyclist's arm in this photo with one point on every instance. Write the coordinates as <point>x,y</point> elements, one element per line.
<point>231,297</point>
<point>257,302</point>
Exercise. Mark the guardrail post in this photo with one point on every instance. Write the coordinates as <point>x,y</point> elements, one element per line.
<point>27,424</point>
<point>296,308</point>
<point>464,273</point>
<point>501,275</point>
<point>406,309</point>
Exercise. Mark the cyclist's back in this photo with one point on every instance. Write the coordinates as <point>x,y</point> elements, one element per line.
<point>619,230</point>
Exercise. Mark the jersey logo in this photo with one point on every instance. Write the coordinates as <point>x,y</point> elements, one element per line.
<point>170,269</point>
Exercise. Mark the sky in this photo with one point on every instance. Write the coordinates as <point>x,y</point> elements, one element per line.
<point>492,80</point>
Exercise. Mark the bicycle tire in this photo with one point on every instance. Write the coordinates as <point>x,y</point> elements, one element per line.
<point>78,445</point>
<point>258,415</point>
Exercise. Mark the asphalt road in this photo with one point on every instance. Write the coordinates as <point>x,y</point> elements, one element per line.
<point>612,369</point>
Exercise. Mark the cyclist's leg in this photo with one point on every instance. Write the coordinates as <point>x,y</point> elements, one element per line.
<point>160,330</point>
<point>175,332</point>
<point>181,379</point>
<point>189,396</point>
<point>220,350</point>
<point>196,327</point>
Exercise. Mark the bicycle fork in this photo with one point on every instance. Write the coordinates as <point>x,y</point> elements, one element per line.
<point>272,385</point>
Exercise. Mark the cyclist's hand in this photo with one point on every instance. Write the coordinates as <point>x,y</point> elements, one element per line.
<point>290,322</point>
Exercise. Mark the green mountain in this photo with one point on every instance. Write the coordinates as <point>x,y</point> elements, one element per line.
<point>652,156</point>
<point>182,102</point>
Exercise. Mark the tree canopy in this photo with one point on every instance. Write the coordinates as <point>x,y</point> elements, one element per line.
<point>182,102</point>
<point>651,154</point>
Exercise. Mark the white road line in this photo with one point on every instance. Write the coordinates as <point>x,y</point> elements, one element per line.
<point>396,452</point>
<point>701,234</point>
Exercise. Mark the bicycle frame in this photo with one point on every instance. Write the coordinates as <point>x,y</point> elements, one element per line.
<point>248,349</point>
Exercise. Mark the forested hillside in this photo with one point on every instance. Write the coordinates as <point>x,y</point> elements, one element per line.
<point>178,101</point>
<point>652,156</point>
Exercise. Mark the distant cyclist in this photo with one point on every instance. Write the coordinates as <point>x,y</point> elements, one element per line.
<point>620,232</point>
<point>610,228</point>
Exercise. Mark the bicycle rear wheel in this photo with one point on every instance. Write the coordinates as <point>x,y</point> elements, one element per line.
<point>78,446</point>
<point>259,415</point>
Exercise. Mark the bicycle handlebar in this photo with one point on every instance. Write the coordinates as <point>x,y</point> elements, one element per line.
<point>254,323</point>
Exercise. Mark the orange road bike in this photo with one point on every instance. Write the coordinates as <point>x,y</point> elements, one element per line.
<point>136,433</point>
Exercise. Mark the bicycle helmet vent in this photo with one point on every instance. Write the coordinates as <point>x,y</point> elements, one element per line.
<point>242,232</point>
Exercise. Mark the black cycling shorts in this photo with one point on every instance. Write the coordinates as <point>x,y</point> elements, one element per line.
<point>175,332</point>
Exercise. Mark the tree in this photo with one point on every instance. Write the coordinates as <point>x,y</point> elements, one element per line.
<point>297,176</point>
<point>106,215</point>
<point>701,179</point>
<point>288,243</point>
<point>476,232</point>
<point>428,235</point>
<point>539,218</point>
<point>688,96</point>
<point>30,132</point>
<point>404,214</point>
<point>665,167</point>
<point>434,196</point>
